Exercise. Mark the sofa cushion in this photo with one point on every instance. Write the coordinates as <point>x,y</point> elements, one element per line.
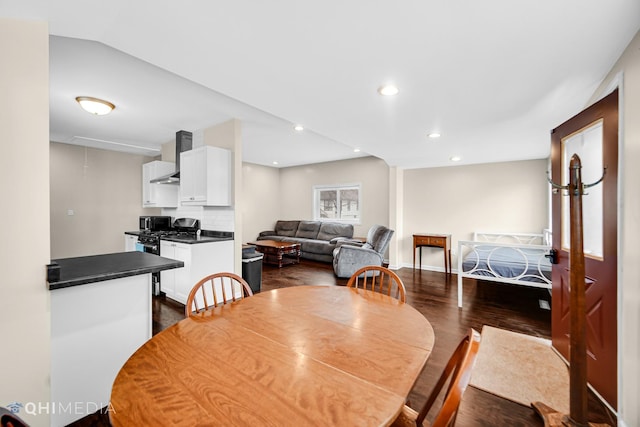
<point>308,229</point>
<point>317,246</point>
<point>273,237</point>
<point>329,230</point>
<point>286,228</point>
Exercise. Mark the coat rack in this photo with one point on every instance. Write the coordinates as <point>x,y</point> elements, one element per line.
<point>578,396</point>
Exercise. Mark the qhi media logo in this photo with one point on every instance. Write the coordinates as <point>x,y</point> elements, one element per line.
<point>76,408</point>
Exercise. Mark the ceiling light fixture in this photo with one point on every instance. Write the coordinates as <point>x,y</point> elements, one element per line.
<point>299,128</point>
<point>98,107</point>
<point>275,163</point>
<point>356,150</point>
<point>388,90</point>
<point>455,159</point>
<point>434,135</point>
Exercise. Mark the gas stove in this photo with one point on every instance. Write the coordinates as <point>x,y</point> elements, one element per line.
<point>149,240</point>
<point>186,228</point>
<point>155,236</point>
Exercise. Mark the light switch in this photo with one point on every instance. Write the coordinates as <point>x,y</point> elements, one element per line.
<point>70,212</point>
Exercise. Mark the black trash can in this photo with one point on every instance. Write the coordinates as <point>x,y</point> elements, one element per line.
<point>252,269</point>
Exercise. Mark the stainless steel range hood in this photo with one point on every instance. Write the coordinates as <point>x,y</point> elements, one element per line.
<point>184,142</point>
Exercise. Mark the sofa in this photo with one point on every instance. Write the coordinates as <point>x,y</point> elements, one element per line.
<point>349,257</point>
<point>317,239</point>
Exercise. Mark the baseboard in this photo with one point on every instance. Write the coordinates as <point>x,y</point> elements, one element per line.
<point>430,268</point>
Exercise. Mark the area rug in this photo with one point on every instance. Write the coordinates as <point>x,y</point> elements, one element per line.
<point>521,368</point>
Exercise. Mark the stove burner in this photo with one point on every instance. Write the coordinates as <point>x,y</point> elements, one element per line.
<point>155,236</point>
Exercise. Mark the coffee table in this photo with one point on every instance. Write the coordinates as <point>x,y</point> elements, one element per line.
<point>278,253</point>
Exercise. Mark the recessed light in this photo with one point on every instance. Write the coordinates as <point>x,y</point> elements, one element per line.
<point>434,135</point>
<point>455,159</point>
<point>275,163</point>
<point>299,128</point>
<point>98,107</point>
<point>388,90</point>
<point>356,150</point>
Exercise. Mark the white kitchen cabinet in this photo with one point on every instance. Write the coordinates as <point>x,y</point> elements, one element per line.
<point>205,176</point>
<point>158,195</point>
<point>200,260</point>
<point>168,279</point>
<point>130,242</point>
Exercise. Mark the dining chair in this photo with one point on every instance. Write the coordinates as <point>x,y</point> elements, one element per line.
<point>378,279</point>
<point>458,374</point>
<point>216,290</point>
<point>9,419</point>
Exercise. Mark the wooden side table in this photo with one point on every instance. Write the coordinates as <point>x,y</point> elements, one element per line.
<point>433,241</point>
<point>278,253</point>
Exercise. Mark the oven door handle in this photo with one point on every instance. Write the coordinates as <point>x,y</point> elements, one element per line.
<point>147,247</point>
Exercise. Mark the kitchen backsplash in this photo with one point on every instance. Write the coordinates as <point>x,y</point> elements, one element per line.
<point>211,218</point>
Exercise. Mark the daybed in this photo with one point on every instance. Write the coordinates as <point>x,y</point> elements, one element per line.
<point>317,239</point>
<point>512,258</point>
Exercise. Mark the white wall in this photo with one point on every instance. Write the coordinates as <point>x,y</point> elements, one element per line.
<point>500,197</point>
<point>104,190</point>
<point>261,199</point>
<point>24,174</point>
<point>296,189</point>
<point>629,230</point>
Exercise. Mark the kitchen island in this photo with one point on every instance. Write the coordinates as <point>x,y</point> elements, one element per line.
<point>100,315</point>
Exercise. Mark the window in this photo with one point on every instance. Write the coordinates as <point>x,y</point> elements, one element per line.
<point>337,203</point>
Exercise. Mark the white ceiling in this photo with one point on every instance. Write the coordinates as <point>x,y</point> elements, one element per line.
<point>493,77</point>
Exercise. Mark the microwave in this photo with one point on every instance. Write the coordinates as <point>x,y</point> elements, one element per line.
<point>155,223</point>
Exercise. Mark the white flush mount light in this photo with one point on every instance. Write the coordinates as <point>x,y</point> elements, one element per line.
<point>275,163</point>
<point>298,128</point>
<point>356,150</point>
<point>388,90</point>
<point>434,135</point>
<point>455,159</point>
<point>98,107</point>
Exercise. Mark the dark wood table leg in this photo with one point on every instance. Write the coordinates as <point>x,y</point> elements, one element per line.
<point>414,255</point>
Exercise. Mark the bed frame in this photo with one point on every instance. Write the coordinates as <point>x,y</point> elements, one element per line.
<point>536,245</point>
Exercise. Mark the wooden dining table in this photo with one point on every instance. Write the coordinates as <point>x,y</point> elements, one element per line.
<point>304,355</point>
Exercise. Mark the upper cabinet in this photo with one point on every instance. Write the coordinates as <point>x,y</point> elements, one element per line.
<point>158,195</point>
<point>205,176</point>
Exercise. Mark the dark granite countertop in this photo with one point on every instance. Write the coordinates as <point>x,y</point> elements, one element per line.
<point>97,268</point>
<point>207,236</point>
<point>191,241</point>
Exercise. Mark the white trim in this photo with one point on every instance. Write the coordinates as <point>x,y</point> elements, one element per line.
<point>617,83</point>
<point>316,207</point>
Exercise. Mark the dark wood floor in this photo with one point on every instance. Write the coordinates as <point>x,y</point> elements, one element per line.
<point>435,296</point>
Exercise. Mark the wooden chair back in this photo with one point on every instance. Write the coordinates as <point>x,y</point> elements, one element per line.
<point>9,419</point>
<point>216,290</point>
<point>458,374</point>
<point>378,279</point>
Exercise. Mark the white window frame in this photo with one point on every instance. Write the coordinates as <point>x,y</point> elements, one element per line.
<point>316,202</point>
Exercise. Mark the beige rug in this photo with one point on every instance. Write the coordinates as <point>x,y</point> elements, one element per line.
<point>521,368</point>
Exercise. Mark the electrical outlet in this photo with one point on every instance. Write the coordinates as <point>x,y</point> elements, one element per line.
<point>70,212</point>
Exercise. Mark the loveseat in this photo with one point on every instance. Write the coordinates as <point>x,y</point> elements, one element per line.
<point>317,239</point>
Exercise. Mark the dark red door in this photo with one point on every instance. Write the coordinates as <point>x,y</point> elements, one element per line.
<point>593,135</point>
